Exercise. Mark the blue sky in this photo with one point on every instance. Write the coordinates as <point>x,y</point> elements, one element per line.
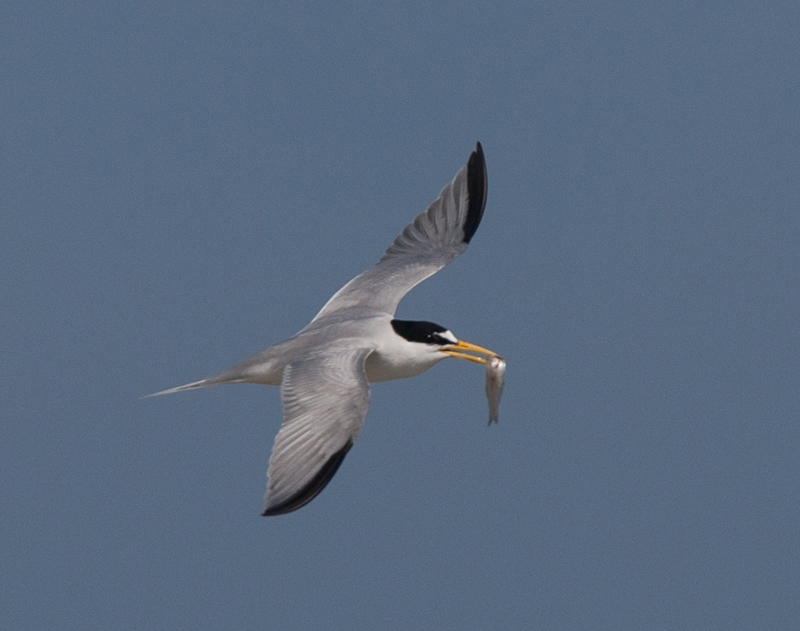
<point>184,185</point>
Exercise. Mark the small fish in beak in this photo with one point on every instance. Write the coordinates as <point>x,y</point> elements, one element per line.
<point>495,379</point>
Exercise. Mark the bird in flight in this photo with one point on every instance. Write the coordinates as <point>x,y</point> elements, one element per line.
<point>324,371</point>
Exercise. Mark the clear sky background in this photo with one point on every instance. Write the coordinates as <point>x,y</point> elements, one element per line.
<point>184,184</point>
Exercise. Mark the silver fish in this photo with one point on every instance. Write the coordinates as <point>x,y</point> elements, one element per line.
<point>495,378</point>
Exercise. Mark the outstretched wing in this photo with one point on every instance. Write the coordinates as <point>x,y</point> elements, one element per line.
<point>430,242</point>
<point>325,399</point>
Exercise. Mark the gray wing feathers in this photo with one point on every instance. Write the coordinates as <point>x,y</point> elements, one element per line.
<point>325,399</point>
<point>426,245</point>
<point>437,232</point>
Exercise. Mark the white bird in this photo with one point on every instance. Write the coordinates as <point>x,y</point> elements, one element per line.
<point>324,371</point>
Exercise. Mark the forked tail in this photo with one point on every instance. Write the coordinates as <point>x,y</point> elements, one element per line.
<point>203,383</point>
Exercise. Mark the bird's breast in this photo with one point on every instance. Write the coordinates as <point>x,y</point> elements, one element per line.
<point>386,367</point>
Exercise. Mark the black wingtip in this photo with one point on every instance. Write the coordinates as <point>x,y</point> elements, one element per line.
<point>477,188</point>
<point>314,487</point>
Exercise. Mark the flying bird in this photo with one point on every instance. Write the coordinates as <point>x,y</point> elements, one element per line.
<point>324,371</point>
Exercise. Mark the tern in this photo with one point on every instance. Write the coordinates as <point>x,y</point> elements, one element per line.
<point>324,371</point>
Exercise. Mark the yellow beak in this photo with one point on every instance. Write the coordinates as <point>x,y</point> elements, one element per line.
<point>457,351</point>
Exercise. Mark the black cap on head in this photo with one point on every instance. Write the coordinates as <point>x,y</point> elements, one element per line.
<point>423,332</point>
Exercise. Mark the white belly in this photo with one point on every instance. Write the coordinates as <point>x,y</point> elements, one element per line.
<point>382,368</point>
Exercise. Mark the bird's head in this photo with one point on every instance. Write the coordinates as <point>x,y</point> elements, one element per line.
<point>440,340</point>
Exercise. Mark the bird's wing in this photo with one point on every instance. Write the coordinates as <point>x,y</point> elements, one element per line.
<point>325,399</point>
<point>431,241</point>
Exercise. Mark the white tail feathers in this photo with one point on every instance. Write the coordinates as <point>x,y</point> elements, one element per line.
<point>189,386</point>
